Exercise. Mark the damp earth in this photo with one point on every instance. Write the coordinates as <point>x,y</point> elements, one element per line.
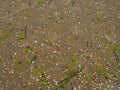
<point>59,44</point>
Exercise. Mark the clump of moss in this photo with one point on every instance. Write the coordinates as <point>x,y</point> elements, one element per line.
<point>22,34</point>
<point>100,16</point>
<point>38,2</point>
<point>6,36</point>
<point>114,46</point>
<point>27,14</point>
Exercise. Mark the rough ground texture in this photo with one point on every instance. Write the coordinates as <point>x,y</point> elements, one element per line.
<point>59,44</point>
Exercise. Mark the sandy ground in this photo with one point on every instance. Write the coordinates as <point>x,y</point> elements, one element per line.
<point>59,44</point>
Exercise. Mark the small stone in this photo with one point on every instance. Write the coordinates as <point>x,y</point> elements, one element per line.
<point>35,41</point>
<point>33,62</point>
<point>79,65</point>
<point>74,88</point>
<point>55,51</point>
<point>37,79</point>
<point>42,44</point>
<point>15,53</point>
<point>56,64</point>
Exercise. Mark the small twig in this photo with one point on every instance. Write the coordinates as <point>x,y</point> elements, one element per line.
<point>68,78</point>
<point>25,31</point>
